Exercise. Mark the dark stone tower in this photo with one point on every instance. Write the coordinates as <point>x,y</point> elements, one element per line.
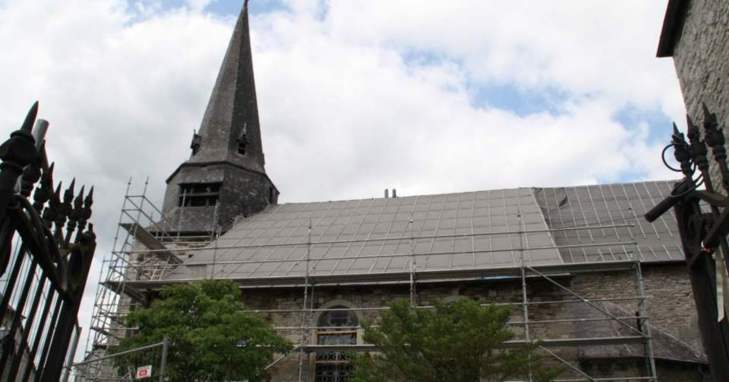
<point>225,176</point>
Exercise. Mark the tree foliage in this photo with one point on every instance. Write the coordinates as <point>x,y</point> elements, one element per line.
<point>454,342</point>
<point>211,337</point>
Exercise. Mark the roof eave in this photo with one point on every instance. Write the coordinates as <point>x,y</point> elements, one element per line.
<point>219,163</point>
<point>482,274</point>
<point>672,26</point>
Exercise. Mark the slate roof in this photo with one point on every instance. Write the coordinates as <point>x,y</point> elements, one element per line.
<point>616,205</point>
<point>447,232</point>
<point>232,107</point>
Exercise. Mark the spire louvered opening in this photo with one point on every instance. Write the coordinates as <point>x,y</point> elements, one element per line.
<point>198,194</point>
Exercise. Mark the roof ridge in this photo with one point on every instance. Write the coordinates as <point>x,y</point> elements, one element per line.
<point>477,191</point>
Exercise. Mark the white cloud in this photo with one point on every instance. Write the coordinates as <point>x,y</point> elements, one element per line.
<point>344,113</point>
<point>417,126</point>
<point>603,46</point>
<point>198,5</point>
<point>122,97</point>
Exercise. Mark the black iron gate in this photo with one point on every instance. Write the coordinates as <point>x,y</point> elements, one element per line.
<point>703,223</point>
<point>46,249</point>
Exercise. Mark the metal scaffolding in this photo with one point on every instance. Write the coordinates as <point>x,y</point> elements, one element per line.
<point>144,248</point>
<point>141,264</point>
<point>640,332</point>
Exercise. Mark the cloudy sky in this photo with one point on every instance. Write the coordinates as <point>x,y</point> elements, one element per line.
<point>355,96</point>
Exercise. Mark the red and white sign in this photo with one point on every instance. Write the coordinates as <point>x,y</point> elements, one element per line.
<point>144,372</point>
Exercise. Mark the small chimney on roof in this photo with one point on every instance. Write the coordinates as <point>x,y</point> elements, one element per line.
<point>387,193</point>
<point>394,193</point>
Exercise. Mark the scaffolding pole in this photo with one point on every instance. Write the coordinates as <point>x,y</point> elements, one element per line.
<point>524,295</point>
<point>413,297</point>
<point>106,299</point>
<point>306,308</point>
<point>644,323</point>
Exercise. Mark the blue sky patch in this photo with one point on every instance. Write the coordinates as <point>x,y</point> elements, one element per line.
<point>660,125</point>
<point>518,100</point>
<point>505,96</point>
<point>233,7</point>
<point>217,7</point>
<point>419,57</point>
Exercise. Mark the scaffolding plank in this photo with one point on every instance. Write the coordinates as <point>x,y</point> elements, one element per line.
<point>547,342</point>
<point>148,240</point>
<point>556,270</point>
<point>132,292</point>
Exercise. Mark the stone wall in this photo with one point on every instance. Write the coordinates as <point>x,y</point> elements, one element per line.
<point>670,307</point>
<point>242,193</point>
<point>670,301</point>
<point>701,56</point>
<point>696,34</point>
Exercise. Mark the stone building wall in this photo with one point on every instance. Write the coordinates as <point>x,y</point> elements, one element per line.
<point>670,299</point>
<point>696,34</point>
<point>670,307</point>
<point>701,56</point>
<point>242,192</point>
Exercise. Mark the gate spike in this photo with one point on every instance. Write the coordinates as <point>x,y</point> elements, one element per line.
<point>79,198</point>
<point>68,195</point>
<point>699,152</point>
<point>715,139</point>
<point>51,211</point>
<point>709,117</point>
<point>90,197</point>
<point>681,151</point>
<point>86,209</point>
<point>30,118</point>
<point>690,126</point>
<point>57,192</point>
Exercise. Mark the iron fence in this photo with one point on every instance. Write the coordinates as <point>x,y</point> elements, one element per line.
<point>46,249</point>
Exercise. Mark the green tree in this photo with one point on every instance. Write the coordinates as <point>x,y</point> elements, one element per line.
<point>454,342</point>
<point>211,337</point>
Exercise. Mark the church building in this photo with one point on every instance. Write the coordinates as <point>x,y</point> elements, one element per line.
<point>605,292</point>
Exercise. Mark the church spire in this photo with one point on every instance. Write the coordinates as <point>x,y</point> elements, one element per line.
<point>224,178</point>
<point>230,130</point>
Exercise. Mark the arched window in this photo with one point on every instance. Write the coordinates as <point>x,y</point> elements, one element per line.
<point>337,326</point>
<point>338,316</point>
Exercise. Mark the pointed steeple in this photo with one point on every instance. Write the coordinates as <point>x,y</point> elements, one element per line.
<point>225,177</point>
<point>230,130</point>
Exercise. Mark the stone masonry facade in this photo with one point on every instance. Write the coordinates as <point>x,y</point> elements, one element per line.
<point>670,309</point>
<point>243,192</point>
<point>701,56</point>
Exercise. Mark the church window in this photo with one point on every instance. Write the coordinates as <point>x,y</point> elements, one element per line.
<point>336,327</point>
<point>198,194</point>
